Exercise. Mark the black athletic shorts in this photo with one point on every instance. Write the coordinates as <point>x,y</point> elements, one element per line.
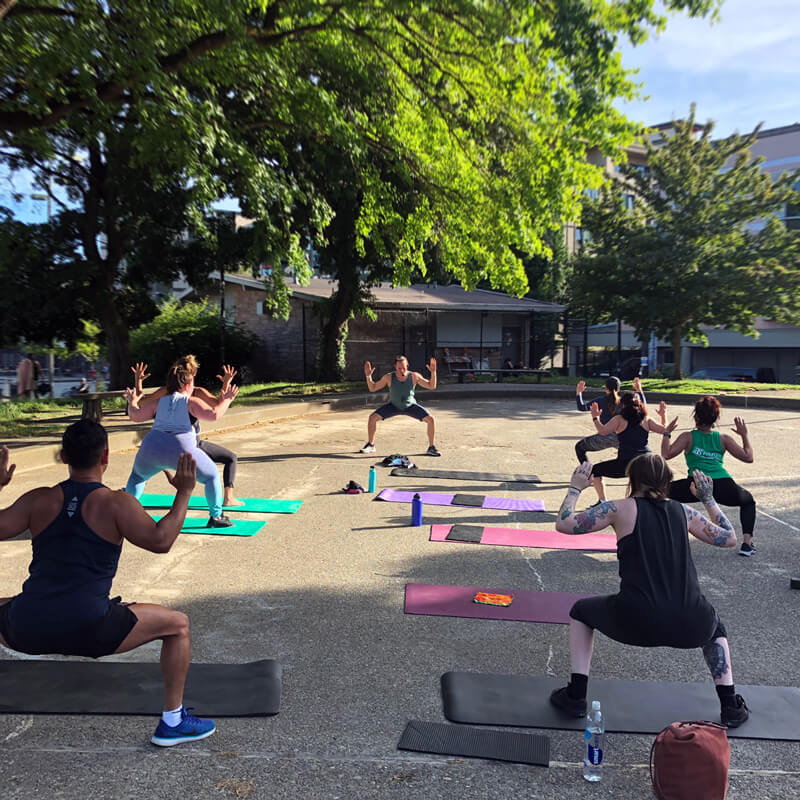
<point>100,638</point>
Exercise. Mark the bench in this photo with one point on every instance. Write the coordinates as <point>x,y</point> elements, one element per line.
<point>500,373</point>
<point>93,403</point>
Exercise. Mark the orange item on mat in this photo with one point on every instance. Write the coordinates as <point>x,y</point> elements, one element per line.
<point>493,599</point>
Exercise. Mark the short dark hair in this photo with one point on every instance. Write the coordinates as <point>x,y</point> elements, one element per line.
<point>83,443</point>
<point>612,383</point>
<point>400,358</point>
<point>650,475</point>
<point>706,410</point>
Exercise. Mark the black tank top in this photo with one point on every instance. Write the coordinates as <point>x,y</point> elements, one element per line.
<point>70,573</point>
<point>632,442</point>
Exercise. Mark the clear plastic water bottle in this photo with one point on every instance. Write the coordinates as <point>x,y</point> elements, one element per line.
<point>594,743</point>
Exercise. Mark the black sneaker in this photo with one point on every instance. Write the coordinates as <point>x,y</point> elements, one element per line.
<point>432,451</point>
<point>219,522</point>
<point>561,699</point>
<point>367,448</point>
<point>734,715</point>
<point>747,549</point>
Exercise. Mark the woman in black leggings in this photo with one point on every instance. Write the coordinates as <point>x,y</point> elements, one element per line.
<point>704,449</point>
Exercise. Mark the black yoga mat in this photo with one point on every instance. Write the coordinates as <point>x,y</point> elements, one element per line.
<point>403,472</point>
<point>475,500</point>
<point>458,740</point>
<point>465,533</point>
<point>523,701</point>
<point>115,687</point>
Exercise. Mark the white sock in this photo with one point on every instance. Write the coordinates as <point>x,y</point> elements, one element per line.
<point>172,718</point>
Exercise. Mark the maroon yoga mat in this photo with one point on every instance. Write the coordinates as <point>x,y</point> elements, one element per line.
<point>456,601</point>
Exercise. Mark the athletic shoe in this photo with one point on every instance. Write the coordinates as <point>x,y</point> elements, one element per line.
<point>562,700</point>
<point>734,715</point>
<point>189,729</point>
<point>747,549</point>
<point>367,448</point>
<point>432,451</point>
<point>219,522</point>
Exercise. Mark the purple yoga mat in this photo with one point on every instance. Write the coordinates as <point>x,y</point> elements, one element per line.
<point>436,499</point>
<point>456,601</point>
<point>552,540</point>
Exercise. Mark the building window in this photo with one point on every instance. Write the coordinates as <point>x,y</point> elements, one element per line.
<point>627,200</point>
<point>581,237</point>
<point>260,307</point>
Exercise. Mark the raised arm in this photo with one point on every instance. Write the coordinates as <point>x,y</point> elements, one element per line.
<point>140,375</point>
<point>139,528</point>
<point>716,529</point>
<point>593,519</point>
<point>612,426</point>
<point>653,426</point>
<point>579,390</point>
<point>680,445</point>
<point>427,383</point>
<point>202,410</point>
<point>374,386</point>
<point>637,387</point>
<point>743,451</point>
<point>135,412</point>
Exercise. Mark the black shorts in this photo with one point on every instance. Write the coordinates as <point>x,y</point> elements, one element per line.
<point>100,638</point>
<point>415,410</point>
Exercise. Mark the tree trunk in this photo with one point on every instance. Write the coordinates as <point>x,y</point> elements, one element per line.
<point>118,344</point>
<point>333,340</point>
<point>677,335</point>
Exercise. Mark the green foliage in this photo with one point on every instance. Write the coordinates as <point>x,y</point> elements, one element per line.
<point>191,328</point>
<point>685,256</point>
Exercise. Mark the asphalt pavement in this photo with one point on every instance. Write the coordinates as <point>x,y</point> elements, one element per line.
<point>322,592</point>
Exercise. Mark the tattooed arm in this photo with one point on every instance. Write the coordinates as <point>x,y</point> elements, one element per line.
<point>716,529</point>
<point>593,519</point>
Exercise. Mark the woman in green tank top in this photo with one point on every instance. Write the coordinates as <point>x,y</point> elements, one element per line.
<point>704,448</point>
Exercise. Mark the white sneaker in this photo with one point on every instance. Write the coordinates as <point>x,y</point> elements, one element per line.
<point>367,448</point>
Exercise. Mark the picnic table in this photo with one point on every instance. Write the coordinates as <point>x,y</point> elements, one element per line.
<point>500,373</point>
<point>93,403</point>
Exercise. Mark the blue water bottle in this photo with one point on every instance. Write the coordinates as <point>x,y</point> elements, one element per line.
<point>416,511</point>
<point>372,479</point>
<point>594,742</point>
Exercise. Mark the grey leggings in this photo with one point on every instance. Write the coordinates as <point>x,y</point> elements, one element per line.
<point>595,442</point>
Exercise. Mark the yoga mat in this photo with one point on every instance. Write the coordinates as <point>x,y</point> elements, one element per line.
<point>255,505</point>
<point>511,537</point>
<point>113,687</point>
<point>456,601</point>
<point>458,740</point>
<point>240,527</point>
<point>403,472</point>
<point>438,499</point>
<point>628,706</point>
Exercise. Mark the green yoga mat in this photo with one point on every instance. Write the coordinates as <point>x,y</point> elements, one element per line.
<point>240,527</point>
<point>254,505</point>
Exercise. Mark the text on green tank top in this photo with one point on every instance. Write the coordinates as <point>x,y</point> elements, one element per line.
<point>401,393</point>
<point>706,453</point>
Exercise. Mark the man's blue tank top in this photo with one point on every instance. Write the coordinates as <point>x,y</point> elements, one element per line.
<point>172,414</point>
<point>70,573</point>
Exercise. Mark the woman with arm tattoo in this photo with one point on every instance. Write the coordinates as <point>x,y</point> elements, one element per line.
<point>659,603</point>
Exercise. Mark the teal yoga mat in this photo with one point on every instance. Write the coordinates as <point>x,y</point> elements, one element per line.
<point>240,527</point>
<point>254,505</point>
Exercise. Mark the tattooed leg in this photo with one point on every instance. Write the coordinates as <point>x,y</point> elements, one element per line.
<point>718,657</point>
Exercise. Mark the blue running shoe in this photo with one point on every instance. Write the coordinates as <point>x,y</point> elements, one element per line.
<point>189,729</point>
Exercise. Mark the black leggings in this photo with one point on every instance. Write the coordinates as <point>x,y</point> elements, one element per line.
<point>221,455</point>
<point>727,493</point>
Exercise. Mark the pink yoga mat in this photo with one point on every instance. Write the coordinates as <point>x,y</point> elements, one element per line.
<point>437,499</point>
<point>456,601</point>
<point>552,540</point>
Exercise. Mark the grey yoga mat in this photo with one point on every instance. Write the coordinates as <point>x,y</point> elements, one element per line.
<point>114,687</point>
<point>460,740</point>
<point>522,701</point>
<point>403,472</point>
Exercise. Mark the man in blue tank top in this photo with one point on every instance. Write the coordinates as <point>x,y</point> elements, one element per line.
<point>77,530</point>
<point>401,384</point>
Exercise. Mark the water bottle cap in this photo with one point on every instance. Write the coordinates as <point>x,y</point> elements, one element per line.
<point>595,705</point>
<point>416,497</point>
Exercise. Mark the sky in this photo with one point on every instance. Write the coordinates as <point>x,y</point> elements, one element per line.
<point>740,70</point>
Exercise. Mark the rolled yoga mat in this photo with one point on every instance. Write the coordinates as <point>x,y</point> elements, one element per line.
<point>460,740</point>
<point>512,537</point>
<point>403,472</point>
<point>114,687</point>
<point>456,601</point>
<point>254,505</point>
<point>240,527</point>
<point>628,706</point>
<point>479,501</point>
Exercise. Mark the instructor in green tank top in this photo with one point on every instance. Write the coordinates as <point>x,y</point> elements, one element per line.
<point>401,384</point>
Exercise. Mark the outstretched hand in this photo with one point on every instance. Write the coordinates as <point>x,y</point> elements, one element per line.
<point>582,476</point>
<point>140,372</point>
<point>739,427</point>
<point>702,487</point>
<point>230,393</point>
<point>637,384</point>
<point>368,370</point>
<point>580,387</point>
<point>185,474</point>
<point>6,470</point>
<point>594,410</point>
<point>133,396</point>
<point>672,425</point>
<point>228,374</point>
<point>432,366</point>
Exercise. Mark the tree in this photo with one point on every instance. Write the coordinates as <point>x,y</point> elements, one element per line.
<point>490,104</point>
<point>702,245</point>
